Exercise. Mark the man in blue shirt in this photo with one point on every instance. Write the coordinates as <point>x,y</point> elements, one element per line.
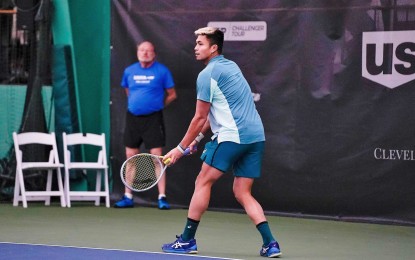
<point>226,106</point>
<point>149,87</point>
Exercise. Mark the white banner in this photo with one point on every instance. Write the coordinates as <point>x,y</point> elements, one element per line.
<point>242,31</point>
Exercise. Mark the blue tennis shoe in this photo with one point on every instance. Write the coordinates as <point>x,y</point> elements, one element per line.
<point>181,247</point>
<point>125,202</point>
<point>271,250</point>
<point>163,204</point>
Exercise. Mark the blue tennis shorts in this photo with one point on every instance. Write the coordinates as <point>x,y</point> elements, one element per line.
<point>244,159</point>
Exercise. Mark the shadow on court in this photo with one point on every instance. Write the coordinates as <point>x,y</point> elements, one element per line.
<point>88,232</point>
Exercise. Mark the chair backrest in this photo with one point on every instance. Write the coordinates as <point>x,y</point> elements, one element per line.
<point>29,138</point>
<point>85,139</point>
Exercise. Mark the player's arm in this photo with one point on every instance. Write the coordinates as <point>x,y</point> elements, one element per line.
<point>200,136</point>
<point>206,127</point>
<point>199,123</point>
<point>170,97</point>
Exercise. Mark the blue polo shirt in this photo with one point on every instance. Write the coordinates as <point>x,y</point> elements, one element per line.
<point>233,115</point>
<point>146,87</point>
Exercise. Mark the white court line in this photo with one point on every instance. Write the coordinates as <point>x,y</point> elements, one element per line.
<point>121,250</point>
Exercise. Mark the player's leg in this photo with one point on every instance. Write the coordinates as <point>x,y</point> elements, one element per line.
<point>242,191</point>
<point>186,242</point>
<point>201,195</point>
<point>218,158</point>
<point>246,169</point>
<point>200,199</point>
<point>208,175</point>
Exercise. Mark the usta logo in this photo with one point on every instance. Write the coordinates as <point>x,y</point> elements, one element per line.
<point>388,58</point>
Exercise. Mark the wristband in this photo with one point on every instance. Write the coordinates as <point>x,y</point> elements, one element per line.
<point>199,137</point>
<point>180,148</point>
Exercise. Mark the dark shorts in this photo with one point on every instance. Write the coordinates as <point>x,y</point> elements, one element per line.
<point>148,129</point>
<point>244,159</point>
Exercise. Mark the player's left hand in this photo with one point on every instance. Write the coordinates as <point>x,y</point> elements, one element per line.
<point>174,156</point>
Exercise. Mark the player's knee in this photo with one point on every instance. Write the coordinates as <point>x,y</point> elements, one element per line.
<point>203,181</point>
<point>239,195</point>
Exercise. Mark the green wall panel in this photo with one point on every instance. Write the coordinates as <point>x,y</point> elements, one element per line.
<point>91,42</point>
<point>11,112</point>
<point>85,27</point>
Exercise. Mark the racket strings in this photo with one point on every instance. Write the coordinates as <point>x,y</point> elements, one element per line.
<point>142,172</point>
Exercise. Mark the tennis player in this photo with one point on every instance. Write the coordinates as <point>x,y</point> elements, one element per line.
<point>225,105</point>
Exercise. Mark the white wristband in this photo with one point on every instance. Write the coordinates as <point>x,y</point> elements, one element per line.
<point>199,137</point>
<point>180,148</point>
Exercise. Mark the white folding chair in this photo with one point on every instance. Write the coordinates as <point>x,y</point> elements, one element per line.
<point>99,166</point>
<point>50,166</point>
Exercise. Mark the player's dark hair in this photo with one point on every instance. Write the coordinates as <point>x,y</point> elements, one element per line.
<point>216,38</point>
<point>214,35</point>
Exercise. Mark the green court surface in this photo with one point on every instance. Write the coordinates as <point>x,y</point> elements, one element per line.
<point>224,235</point>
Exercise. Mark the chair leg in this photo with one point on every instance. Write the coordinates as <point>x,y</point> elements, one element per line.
<point>98,186</point>
<point>17,196</point>
<point>67,189</point>
<point>22,189</point>
<point>107,194</point>
<point>61,189</point>
<point>48,187</point>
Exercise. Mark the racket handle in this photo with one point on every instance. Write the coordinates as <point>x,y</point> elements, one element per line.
<point>167,161</point>
<point>187,151</point>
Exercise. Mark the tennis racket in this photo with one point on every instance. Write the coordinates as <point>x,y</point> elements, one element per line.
<point>143,171</point>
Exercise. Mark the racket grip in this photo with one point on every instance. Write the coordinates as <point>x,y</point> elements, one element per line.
<point>167,161</point>
<point>187,151</point>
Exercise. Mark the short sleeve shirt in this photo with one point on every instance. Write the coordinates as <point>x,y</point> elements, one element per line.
<point>233,115</point>
<point>146,87</point>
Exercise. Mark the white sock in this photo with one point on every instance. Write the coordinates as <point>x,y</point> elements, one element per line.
<point>162,196</point>
<point>128,195</point>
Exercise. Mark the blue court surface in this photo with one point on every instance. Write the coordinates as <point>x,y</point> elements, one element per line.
<point>11,251</point>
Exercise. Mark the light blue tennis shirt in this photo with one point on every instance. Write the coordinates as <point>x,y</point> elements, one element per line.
<point>233,115</point>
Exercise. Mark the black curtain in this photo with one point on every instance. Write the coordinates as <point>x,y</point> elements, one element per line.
<point>324,122</point>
